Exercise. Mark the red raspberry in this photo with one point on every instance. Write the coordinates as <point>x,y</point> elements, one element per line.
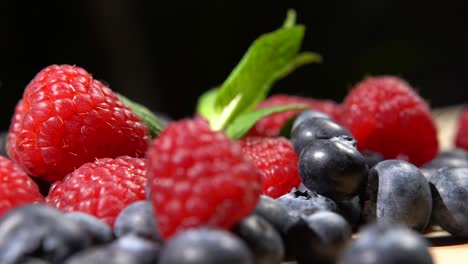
<point>66,118</point>
<point>102,188</point>
<point>199,177</point>
<point>386,115</point>
<point>270,126</point>
<point>276,160</point>
<point>16,188</point>
<point>461,136</point>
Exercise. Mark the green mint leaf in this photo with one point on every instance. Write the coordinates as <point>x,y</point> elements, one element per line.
<point>253,77</point>
<point>242,123</point>
<point>153,123</point>
<point>300,60</point>
<point>205,105</point>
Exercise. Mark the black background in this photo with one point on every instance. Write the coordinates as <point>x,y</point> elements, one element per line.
<point>165,54</point>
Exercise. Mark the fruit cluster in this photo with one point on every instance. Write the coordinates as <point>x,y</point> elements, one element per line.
<point>89,176</point>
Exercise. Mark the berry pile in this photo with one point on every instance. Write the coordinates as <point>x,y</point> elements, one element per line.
<point>92,177</point>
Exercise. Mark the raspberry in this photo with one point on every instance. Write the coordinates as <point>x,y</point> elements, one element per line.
<point>16,188</point>
<point>102,188</point>
<point>271,125</point>
<point>276,160</point>
<point>461,136</point>
<point>199,177</point>
<point>65,119</point>
<point>386,115</point>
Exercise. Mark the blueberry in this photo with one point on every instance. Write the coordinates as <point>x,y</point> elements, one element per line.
<point>39,231</point>
<point>372,157</point>
<point>302,244</point>
<point>272,211</point>
<point>350,210</point>
<point>262,239</point>
<point>205,246</point>
<point>300,241</point>
<point>316,128</point>
<point>306,202</point>
<point>33,260</point>
<point>450,196</point>
<point>137,218</point>
<point>334,233</point>
<point>387,244</point>
<point>446,162</point>
<point>126,249</point>
<point>333,168</point>
<point>3,140</point>
<point>398,192</point>
<point>141,249</point>
<point>308,115</point>
<point>98,231</point>
<point>453,153</point>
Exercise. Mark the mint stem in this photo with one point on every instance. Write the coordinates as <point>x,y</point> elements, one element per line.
<point>290,19</point>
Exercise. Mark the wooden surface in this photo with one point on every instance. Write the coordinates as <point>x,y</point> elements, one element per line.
<point>447,249</point>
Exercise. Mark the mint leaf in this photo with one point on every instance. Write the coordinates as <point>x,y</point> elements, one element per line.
<point>253,77</point>
<point>153,123</point>
<point>300,60</point>
<point>242,123</point>
<point>205,105</point>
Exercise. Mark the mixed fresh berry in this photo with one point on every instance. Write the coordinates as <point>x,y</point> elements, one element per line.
<point>16,187</point>
<point>277,162</point>
<point>386,115</point>
<point>270,126</point>
<point>67,118</point>
<point>248,179</point>
<point>121,181</point>
<point>197,176</point>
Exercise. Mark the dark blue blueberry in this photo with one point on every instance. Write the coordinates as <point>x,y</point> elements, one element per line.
<point>450,196</point>
<point>299,240</point>
<point>143,250</point>
<point>124,250</point>
<point>372,157</point>
<point>308,115</point>
<point>333,168</point>
<point>316,128</point>
<point>334,233</point>
<point>388,244</point>
<point>302,244</point>
<point>272,211</point>
<point>331,227</point>
<point>350,210</point>
<point>446,162</point>
<point>205,246</point>
<point>262,239</point>
<point>99,231</point>
<point>453,158</point>
<point>3,140</point>
<point>428,172</point>
<point>137,218</point>
<point>453,153</point>
<point>33,260</point>
<point>306,202</point>
<point>39,231</point>
<point>397,192</point>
